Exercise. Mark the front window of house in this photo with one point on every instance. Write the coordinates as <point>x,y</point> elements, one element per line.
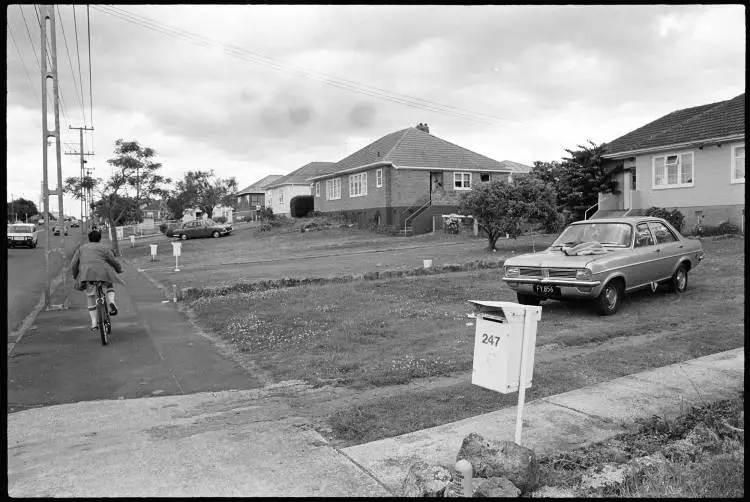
<point>281,197</point>
<point>317,189</point>
<point>738,164</point>
<point>462,181</point>
<point>484,177</point>
<point>333,189</point>
<point>673,170</point>
<point>378,178</point>
<point>357,185</point>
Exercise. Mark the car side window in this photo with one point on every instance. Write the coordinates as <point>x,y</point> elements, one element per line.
<point>643,236</point>
<point>662,233</point>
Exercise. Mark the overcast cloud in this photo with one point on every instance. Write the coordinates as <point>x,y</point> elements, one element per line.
<point>555,76</point>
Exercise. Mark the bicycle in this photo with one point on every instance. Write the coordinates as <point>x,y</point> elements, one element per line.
<point>103,321</point>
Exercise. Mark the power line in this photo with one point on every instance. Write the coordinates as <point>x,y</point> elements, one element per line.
<point>91,96</point>
<point>264,61</point>
<point>33,89</point>
<point>78,52</point>
<point>70,63</point>
<point>30,37</point>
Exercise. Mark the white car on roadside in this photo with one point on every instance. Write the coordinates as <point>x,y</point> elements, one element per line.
<point>22,234</point>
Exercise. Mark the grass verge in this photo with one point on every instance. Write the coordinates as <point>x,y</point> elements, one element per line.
<point>697,454</point>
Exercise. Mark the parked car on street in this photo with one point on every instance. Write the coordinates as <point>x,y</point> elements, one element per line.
<point>22,234</point>
<point>602,259</point>
<point>202,228</point>
<point>75,224</point>
<point>56,229</point>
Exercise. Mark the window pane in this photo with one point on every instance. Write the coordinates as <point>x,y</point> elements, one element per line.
<point>686,172</point>
<point>672,169</point>
<point>739,163</point>
<point>659,171</point>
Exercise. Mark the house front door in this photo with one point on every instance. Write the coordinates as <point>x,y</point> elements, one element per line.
<point>436,182</point>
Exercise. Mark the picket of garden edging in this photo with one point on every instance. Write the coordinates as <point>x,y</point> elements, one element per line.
<point>287,282</point>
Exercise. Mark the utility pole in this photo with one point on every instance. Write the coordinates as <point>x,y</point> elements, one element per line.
<point>48,21</point>
<point>84,223</point>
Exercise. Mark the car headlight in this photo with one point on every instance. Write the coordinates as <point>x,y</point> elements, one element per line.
<point>512,272</point>
<point>583,274</point>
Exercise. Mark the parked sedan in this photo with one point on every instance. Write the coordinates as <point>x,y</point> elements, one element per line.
<point>56,230</point>
<point>202,228</point>
<point>603,259</point>
<point>22,234</point>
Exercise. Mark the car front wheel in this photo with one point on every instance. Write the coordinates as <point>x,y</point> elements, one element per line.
<point>183,237</point>
<point>527,299</point>
<point>679,281</point>
<point>610,298</point>
<point>215,234</point>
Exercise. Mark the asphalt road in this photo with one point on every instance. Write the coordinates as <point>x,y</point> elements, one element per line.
<point>26,274</point>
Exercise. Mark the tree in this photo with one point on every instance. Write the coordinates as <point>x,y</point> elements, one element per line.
<point>135,170</point>
<point>21,209</point>
<point>578,179</point>
<point>202,190</point>
<point>500,207</point>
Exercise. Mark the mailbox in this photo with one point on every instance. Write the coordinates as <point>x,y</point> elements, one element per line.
<point>176,248</point>
<point>503,330</point>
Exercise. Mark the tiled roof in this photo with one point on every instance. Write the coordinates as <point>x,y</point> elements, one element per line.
<point>698,123</point>
<point>300,176</point>
<point>259,186</point>
<point>415,148</point>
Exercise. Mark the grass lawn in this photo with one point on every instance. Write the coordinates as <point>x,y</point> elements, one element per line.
<point>375,338</point>
<point>249,256</point>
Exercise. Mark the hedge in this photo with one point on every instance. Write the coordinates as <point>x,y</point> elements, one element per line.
<point>301,205</point>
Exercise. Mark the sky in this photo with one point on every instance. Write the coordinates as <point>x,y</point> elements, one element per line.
<point>253,90</point>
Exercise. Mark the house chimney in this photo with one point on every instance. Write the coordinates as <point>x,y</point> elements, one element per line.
<point>423,127</point>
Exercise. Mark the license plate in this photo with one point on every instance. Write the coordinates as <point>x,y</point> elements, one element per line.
<point>546,290</point>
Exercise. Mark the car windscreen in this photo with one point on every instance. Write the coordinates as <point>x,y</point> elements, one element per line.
<point>607,234</point>
<point>20,229</point>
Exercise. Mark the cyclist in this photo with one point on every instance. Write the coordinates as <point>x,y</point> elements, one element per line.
<point>95,262</point>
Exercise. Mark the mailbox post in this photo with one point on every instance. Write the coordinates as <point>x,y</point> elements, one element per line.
<point>504,346</point>
<point>176,251</point>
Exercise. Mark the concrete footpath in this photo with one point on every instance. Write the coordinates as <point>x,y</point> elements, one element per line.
<point>247,443</point>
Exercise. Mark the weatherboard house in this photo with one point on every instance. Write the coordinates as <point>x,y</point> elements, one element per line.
<point>692,160</point>
<point>253,198</point>
<point>404,179</point>
<point>279,193</point>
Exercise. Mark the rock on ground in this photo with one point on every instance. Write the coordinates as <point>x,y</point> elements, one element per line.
<point>425,480</point>
<point>554,492</point>
<point>497,487</point>
<point>491,458</point>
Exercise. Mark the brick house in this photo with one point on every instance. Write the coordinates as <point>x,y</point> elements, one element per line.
<point>253,196</point>
<point>692,160</point>
<point>403,179</point>
<point>281,191</point>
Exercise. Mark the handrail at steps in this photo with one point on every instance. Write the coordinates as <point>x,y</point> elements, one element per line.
<point>417,212</point>
<point>586,214</point>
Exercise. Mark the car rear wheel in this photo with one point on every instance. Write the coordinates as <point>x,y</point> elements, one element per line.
<point>215,234</point>
<point>527,299</point>
<point>183,237</point>
<point>610,298</point>
<point>679,281</point>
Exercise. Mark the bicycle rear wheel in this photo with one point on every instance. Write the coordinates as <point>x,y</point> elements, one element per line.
<point>101,312</point>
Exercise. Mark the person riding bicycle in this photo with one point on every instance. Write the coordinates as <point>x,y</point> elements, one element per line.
<point>95,262</point>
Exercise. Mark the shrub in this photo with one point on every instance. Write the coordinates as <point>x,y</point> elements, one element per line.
<point>266,213</point>
<point>722,228</point>
<point>163,228</point>
<point>452,225</point>
<point>301,205</point>
<point>220,219</point>
<point>674,217</point>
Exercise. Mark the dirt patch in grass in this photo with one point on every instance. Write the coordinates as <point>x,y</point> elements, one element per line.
<point>393,356</point>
